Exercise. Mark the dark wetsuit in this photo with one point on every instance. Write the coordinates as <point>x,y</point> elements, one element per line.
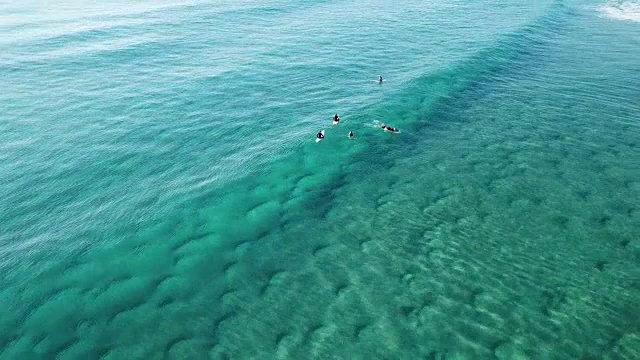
<point>320,136</point>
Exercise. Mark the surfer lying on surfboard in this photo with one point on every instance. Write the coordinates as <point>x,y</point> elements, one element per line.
<point>320,135</point>
<point>388,128</point>
<point>336,119</point>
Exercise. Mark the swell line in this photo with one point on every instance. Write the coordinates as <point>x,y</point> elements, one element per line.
<point>463,83</point>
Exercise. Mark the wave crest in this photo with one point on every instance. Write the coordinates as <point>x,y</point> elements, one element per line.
<point>621,10</point>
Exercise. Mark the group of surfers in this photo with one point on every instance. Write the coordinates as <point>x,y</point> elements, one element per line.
<point>336,120</point>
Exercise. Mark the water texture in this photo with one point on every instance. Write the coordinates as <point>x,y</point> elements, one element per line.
<point>163,197</point>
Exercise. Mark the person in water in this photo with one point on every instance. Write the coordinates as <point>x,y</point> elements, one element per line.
<point>336,118</point>
<point>351,135</point>
<point>388,128</point>
<point>380,78</point>
<point>320,135</point>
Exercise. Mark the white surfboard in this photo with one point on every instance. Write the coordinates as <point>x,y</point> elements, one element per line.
<point>320,139</point>
<point>335,122</point>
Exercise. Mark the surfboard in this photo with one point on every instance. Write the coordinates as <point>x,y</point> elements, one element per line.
<point>336,122</point>
<point>320,139</point>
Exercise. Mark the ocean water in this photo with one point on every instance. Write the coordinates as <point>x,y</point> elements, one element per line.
<point>163,196</point>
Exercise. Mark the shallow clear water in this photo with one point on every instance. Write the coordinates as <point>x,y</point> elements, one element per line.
<point>163,197</point>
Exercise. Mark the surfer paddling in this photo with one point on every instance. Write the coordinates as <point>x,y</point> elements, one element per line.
<point>388,128</point>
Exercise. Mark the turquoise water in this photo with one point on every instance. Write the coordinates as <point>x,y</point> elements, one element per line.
<point>163,197</point>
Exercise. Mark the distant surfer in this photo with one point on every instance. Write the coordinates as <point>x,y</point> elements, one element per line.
<point>320,135</point>
<point>388,128</point>
<point>379,79</point>
<point>351,135</point>
<point>336,119</point>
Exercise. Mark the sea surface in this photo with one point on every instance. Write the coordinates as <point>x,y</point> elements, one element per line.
<point>162,195</point>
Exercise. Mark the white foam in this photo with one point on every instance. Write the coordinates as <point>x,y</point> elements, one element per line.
<point>621,10</point>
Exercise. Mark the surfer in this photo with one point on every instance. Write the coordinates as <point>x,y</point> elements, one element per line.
<point>351,135</point>
<point>336,118</point>
<point>388,128</point>
<point>380,79</point>
<point>320,136</point>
